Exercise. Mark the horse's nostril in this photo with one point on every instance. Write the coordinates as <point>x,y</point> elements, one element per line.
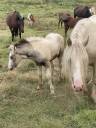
<point>80,89</point>
<point>74,86</point>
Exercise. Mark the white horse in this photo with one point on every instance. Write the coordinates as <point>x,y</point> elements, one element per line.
<point>80,52</point>
<point>42,51</point>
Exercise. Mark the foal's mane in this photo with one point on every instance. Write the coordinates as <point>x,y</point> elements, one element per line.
<point>21,43</point>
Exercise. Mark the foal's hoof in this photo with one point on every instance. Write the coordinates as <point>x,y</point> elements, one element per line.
<point>38,88</point>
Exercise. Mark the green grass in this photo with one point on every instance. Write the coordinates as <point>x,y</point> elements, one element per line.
<point>21,105</point>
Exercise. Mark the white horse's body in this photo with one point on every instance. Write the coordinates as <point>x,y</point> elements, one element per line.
<point>83,38</point>
<point>42,51</point>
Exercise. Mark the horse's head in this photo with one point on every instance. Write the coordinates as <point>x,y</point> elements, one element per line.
<point>19,19</point>
<point>78,66</point>
<point>12,58</point>
<point>21,24</point>
<point>92,10</point>
<point>76,63</point>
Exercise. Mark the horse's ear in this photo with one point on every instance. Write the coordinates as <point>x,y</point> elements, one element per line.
<point>69,42</point>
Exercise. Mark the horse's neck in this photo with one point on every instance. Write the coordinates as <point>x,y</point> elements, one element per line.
<point>22,50</point>
<point>72,22</point>
<point>79,35</point>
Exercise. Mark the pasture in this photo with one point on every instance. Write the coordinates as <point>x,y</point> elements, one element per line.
<point>21,105</point>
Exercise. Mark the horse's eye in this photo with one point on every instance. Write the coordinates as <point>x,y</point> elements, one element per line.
<point>12,57</point>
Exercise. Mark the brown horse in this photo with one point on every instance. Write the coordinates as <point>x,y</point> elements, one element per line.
<point>69,23</point>
<point>61,16</point>
<point>68,20</point>
<point>16,24</point>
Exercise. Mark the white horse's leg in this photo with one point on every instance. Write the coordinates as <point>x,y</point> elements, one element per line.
<point>93,94</point>
<point>49,77</point>
<point>52,70</point>
<point>94,74</point>
<point>60,67</point>
<point>40,81</point>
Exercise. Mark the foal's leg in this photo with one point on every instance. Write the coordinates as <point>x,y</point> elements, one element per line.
<point>40,81</point>
<point>52,70</point>
<point>49,77</point>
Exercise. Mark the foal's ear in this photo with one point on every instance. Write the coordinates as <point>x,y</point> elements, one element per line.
<point>69,42</point>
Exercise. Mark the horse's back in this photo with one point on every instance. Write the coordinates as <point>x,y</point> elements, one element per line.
<point>56,40</point>
<point>49,46</point>
<point>11,20</point>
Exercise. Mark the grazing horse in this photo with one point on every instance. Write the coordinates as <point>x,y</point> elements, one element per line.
<point>40,50</point>
<point>81,52</point>
<point>82,11</point>
<point>30,19</point>
<point>68,20</point>
<point>61,16</point>
<point>16,24</point>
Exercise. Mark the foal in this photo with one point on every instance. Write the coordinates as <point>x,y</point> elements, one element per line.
<point>42,51</point>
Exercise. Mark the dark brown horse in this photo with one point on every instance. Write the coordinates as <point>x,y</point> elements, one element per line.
<point>82,11</point>
<point>16,24</point>
<point>67,20</point>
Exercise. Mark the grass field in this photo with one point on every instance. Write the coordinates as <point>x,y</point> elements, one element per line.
<point>21,105</point>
